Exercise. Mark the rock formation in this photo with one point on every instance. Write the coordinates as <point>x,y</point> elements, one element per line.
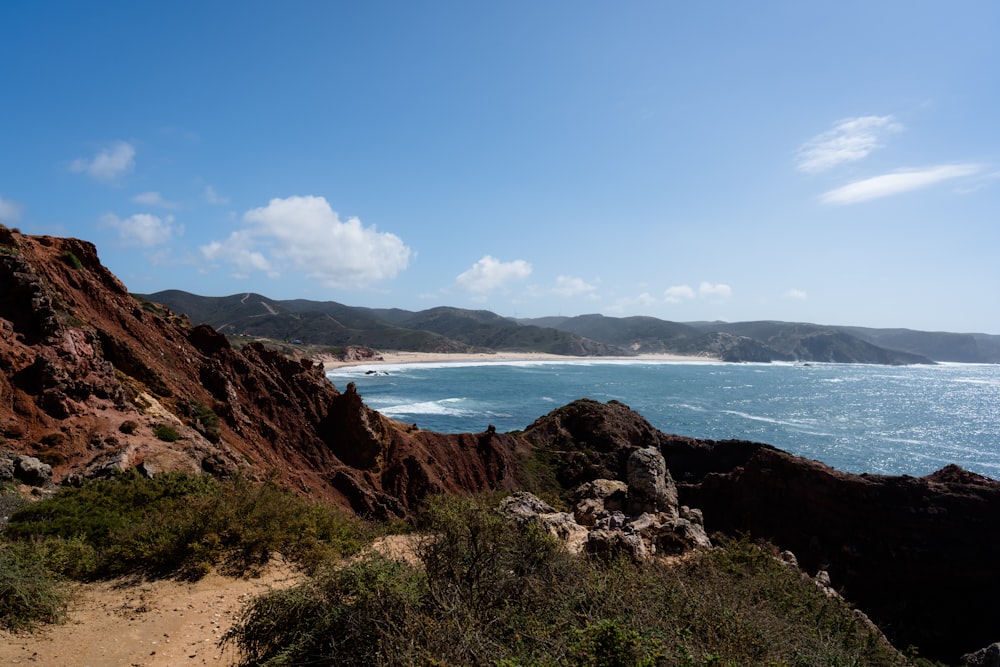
<point>654,525</point>
<point>917,555</point>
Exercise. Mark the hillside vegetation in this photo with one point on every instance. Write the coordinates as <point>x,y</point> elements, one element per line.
<point>482,592</point>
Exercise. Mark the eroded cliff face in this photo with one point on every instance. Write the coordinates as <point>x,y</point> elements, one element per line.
<point>89,373</point>
<point>917,555</point>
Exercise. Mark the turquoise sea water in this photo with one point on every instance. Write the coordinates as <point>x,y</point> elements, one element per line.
<point>888,420</point>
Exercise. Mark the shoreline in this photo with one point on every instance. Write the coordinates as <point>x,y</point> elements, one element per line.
<point>397,357</point>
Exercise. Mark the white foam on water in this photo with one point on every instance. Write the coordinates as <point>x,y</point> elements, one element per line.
<point>444,406</point>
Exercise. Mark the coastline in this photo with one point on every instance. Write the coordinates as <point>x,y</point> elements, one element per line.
<point>398,357</point>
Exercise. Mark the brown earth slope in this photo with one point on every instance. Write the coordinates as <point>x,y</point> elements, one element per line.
<point>89,371</point>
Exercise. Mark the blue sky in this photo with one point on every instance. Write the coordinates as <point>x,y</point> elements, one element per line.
<point>831,162</point>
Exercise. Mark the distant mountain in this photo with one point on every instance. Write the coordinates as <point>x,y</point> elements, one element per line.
<point>329,323</point>
<point>446,329</point>
<point>814,342</point>
<point>938,345</point>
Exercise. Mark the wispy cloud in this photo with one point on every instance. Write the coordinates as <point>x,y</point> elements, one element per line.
<point>305,234</point>
<point>717,291</point>
<point>142,229</point>
<point>797,294</point>
<point>213,197</point>
<point>706,290</point>
<point>678,293</point>
<point>897,182</point>
<point>630,305</point>
<point>10,211</point>
<point>489,273</point>
<point>109,164</point>
<point>153,199</point>
<point>850,140</point>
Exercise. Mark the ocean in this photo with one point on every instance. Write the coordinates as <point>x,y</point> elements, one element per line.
<point>892,420</point>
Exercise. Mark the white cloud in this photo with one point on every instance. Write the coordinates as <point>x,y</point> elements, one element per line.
<point>850,140</point>
<point>678,293</point>
<point>238,251</point>
<point>10,211</point>
<point>489,273</point>
<point>628,305</point>
<point>213,197</point>
<point>153,199</point>
<point>896,183</point>
<point>305,234</point>
<point>109,164</point>
<point>567,286</point>
<point>708,290</point>
<point>797,294</point>
<point>142,229</point>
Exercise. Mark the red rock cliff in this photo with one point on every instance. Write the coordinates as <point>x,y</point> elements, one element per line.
<point>89,371</point>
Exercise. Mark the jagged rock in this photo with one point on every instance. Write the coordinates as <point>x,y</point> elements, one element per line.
<point>610,543</point>
<point>650,487</point>
<point>6,467</point>
<point>677,535</point>
<point>32,472</point>
<point>524,508</point>
<point>610,533</point>
<point>984,657</point>
<point>594,499</point>
<point>823,582</point>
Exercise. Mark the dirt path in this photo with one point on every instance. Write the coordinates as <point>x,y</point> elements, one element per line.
<point>163,623</point>
<point>151,624</point>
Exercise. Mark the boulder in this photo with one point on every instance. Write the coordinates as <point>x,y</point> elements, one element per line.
<point>32,472</point>
<point>6,468</point>
<point>594,499</point>
<point>524,508</point>
<point>610,544</point>
<point>650,486</point>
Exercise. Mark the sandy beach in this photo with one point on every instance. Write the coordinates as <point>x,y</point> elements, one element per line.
<point>396,357</point>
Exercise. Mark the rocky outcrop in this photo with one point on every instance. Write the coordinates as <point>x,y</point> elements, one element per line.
<point>597,524</point>
<point>915,554</point>
<point>984,657</point>
<point>26,470</point>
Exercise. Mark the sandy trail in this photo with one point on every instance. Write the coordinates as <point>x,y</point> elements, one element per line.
<point>159,623</point>
<point>144,623</point>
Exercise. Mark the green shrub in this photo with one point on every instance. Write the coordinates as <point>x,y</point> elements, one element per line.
<point>29,593</point>
<point>206,422</point>
<point>183,525</point>
<point>166,433</point>
<point>71,259</point>
<point>489,593</point>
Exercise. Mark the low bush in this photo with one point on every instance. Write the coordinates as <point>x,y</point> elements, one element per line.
<point>29,594</point>
<point>179,524</point>
<point>206,422</point>
<point>166,433</point>
<point>488,593</point>
<point>72,260</point>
